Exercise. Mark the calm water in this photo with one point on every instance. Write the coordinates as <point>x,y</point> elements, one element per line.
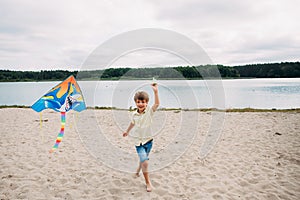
<point>240,93</point>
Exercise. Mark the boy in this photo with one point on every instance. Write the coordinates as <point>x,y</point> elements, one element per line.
<point>142,120</point>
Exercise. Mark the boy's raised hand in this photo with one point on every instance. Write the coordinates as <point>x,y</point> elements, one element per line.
<point>156,98</point>
<point>154,87</point>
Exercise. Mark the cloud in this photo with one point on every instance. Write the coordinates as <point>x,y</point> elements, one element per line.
<point>61,34</point>
<point>227,29</point>
<point>257,49</point>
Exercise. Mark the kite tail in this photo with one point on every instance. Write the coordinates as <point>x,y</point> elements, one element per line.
<point>61,133</point>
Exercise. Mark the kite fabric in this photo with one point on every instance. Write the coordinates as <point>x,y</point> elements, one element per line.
<point>63,97</point>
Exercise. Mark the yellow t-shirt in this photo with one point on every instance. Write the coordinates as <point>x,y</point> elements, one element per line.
<point>142,126</point>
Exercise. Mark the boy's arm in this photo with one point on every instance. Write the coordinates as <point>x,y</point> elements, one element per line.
<point>126,133</point>
<point>156,98</point>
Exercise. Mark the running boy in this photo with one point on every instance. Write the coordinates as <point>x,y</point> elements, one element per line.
<point>142,120</point>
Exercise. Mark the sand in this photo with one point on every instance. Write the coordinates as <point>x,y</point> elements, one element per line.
<point>256,157</point>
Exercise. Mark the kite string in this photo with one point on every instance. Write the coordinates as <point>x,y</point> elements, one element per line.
<point>71,122</point>
<point>41,127</point>
<point>40,120</point>
<point>61,133</point>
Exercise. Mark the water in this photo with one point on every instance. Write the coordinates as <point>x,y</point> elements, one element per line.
<point>238,93</point>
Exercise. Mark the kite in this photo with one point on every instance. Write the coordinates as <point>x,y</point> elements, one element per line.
<point>63,97</point>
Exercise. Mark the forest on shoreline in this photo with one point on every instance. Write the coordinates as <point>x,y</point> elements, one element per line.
<point>268,70</point>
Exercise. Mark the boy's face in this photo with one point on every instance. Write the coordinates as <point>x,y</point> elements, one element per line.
<point>141,105</point>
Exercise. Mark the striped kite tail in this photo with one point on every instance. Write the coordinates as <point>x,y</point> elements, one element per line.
<point>61,133</point>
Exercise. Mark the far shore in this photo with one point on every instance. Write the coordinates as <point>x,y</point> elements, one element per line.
<point>143,79</point>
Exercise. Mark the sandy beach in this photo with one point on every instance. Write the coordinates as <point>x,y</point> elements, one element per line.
<point>257,157</point>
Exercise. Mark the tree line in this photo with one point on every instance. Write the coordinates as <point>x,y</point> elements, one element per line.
<point>268,70</point>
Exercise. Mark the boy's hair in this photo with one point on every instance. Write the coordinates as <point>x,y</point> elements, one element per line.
<point>141,95</point>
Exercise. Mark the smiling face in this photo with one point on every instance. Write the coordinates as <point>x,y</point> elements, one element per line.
<point>141,99</point>
<point>141,105</point>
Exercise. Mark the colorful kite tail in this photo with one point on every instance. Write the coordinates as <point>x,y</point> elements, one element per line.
<point>61,133</point>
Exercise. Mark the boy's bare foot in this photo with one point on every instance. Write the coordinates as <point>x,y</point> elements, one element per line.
<point>136,175</point>
<point>148,187</point>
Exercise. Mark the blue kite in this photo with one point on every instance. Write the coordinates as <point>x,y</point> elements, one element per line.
<point>63,97</point>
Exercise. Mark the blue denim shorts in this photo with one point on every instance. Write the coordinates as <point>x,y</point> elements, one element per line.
<point>144,150</point>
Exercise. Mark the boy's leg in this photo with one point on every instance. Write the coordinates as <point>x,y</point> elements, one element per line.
<point>146,175</point>
<point>143,152</point>
<point>138,170</point>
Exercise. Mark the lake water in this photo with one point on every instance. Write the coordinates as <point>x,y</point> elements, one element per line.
<point>233,93</point>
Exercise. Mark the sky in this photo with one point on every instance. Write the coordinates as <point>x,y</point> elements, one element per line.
<point>49,35</point>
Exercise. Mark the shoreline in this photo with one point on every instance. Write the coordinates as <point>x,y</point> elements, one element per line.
<point>147,79</point>
<point>182,109</point>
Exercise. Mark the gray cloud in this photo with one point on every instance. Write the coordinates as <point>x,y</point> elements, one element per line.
<point>206,11</point>
<point>61,34</point>
<point>228,29</point>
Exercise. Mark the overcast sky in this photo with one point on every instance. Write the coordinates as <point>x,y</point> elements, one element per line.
<point>58,34</point>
